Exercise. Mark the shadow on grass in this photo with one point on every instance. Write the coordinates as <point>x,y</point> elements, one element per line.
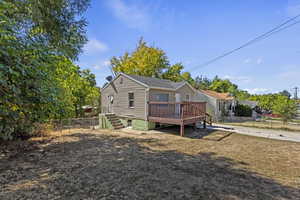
<point>96,166</point>
<point>192,133</point>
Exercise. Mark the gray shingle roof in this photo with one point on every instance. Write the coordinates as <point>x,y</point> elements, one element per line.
<point>156,82</point>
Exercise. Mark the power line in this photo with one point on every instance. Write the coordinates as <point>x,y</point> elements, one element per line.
<point>277,29</point>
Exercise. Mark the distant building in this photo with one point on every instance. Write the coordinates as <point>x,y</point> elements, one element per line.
<point>218,104</point>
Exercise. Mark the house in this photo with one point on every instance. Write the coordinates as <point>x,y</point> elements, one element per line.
<point>218,104</point>
<point>143,102</point>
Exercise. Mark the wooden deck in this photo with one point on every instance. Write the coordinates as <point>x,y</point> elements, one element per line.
<point>182,113</point>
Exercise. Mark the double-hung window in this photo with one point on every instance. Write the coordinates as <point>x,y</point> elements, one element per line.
<point>161,97</point>
<point>131,100</point>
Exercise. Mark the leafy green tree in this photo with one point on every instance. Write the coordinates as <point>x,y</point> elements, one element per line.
<point>241,94</point>
<point>186,76</point>
<point>173,72</point>
<point>202,83</point>
<point>76,87</point>
<point>33,35</point>
<point>285,107</point>
<point>265,101</point>
<point>285,93</point>
<point>220,85</point>
<point>243,110</point>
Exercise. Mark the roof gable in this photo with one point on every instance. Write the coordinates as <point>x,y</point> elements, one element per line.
<point>151,82</point>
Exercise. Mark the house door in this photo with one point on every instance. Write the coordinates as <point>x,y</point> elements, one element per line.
<point>110,103</point>
<point>177,106</point>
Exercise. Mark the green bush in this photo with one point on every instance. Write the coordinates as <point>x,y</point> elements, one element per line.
<point>243,110</point>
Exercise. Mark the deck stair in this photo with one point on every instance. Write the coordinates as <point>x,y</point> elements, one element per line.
<point>208,119</point>
<point>114,120</point>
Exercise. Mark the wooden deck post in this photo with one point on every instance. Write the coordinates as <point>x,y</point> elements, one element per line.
<point>195,126</point>
<point>181,129</point>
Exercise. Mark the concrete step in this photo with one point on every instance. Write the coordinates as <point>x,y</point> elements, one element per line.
<point>117,124</point>
<point>118,127</point>
<point>112,118</point>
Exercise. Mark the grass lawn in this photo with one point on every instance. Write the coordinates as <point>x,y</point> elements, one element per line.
<point>102,164</point>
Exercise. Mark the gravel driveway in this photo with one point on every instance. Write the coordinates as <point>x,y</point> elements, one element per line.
<point>266,133</point>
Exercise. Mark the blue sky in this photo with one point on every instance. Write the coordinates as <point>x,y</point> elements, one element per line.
<point>194,31</point>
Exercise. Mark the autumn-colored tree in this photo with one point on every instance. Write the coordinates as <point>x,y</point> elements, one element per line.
<point>220,85</point>
<point>173,72</point>
<point>144,60</point>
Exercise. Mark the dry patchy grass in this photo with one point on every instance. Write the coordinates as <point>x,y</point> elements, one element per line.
<point>84,164</point>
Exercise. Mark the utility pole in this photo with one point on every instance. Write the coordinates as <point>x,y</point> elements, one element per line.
<point>296,92</point>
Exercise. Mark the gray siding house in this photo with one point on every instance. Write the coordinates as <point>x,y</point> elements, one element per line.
<point>218,104</point>
<point>127,97</point>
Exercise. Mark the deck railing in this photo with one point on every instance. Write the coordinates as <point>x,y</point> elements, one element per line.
<point>182,110</point>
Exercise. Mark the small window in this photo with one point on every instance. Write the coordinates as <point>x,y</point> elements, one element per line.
<point>131,99</point>
<point>161,97</point>
<point>129,122</point>
<point>121,80</point>
<point>187,97</point>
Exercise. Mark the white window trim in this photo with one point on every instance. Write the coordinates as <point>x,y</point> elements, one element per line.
<point>131,100</point>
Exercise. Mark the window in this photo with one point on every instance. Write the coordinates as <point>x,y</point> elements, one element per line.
<point>161,97</point>
<point>131,99</point>
<point>121,80</point>
<point>187,97</point>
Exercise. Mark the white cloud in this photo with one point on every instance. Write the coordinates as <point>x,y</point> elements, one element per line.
<point>244,79</point>
<point>258,90</point>
<point>134,15</point>
<point>259,61</point>
<point>247,60</point>
<point>256,61</point>
<point>102,64</point>
<point>293,8</point>
<point>95,46</point>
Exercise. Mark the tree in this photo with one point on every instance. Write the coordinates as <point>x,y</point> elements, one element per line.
<point>285,107</point>
<point>76,87</point>
<point>265,101</point>
<point>186,76</point>
<point>285,93</point>
<point>202,83</point>
<point>241,95</point>
<point>243,110</point>
<point>173,72</point>
<point>144,60</point>
<point>34,35</point>
<point>220,85</point>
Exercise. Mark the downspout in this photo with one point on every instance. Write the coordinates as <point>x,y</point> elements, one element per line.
<point>146,103</point>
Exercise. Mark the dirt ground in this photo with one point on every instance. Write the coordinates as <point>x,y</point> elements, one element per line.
<point>102,164</point>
